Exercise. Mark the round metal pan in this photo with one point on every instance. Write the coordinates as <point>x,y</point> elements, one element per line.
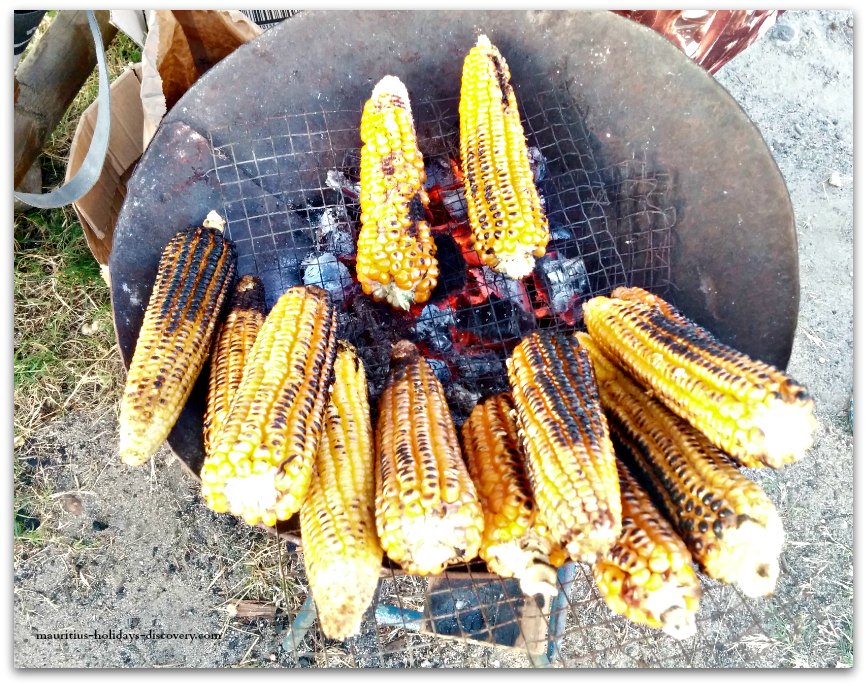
<point>734,260</point>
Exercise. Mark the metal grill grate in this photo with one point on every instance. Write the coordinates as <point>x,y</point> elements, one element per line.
<point>287,187</point>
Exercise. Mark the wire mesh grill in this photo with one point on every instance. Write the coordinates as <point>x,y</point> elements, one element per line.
<point>289,186</point>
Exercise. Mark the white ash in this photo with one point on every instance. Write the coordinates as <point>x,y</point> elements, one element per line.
<point>327,272</point>
<point>335,232</point>
<point>338,181</point>
<point>538,163</point>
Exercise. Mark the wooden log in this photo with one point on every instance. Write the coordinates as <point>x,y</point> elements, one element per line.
<point>49,78</point>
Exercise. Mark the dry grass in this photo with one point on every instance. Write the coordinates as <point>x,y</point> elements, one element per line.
<point>65,355</point>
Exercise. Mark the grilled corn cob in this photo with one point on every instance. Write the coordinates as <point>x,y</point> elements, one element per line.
<point>260,464</point>
<point>728,522</point>
<point>509,226</point>
<point>396,253</point>
<point>195,272</point>
<point>427,512</point>
<point>232,345</point>
<point>749,409</point>
<point>647,575</point>
<point>569,455</point>
<point>514,543</point>
<point>342,554</point>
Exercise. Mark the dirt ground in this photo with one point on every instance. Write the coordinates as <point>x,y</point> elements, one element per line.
<point>125,550</point>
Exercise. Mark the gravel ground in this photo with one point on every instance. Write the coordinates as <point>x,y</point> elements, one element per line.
<point>131,551</point>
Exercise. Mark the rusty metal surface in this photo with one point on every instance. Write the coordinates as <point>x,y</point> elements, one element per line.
<point>734,263</point>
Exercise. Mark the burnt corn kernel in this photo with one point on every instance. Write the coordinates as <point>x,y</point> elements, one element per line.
<point>342,554</point>
<point>514,542</point>
<point>259,466</point>
<point>195,273</point>
<point>742,541</point>
<point>751,410</point>
<point>396,259</point>
<point>232,344</point>
<point>504,209</point>
<point>570,460</point>
<point>647,575</point>
<point>427,511</point>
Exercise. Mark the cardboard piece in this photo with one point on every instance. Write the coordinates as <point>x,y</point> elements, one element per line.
<point>179,47</point>
<point>99,208</point>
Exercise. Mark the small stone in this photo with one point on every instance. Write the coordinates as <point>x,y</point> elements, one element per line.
<point>785,33</point>
<point>798,130</point>
<point>72,504</point>
<point>89,328</point>
<point>98,525</point>
<point>835,180</point>
<point>821,360</point>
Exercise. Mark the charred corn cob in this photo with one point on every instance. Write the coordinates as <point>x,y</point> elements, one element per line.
<point>647,575</point>
<point>751,410</point>
<point>260,464</point>
<point>427,512</point>
<point>509,226</point>
<point>342,554</point>
<point>232,345</point>
<point>728,522</point>
<point>569,455</point>
<point>195,272</point>
<point>396,253</point>
<point>514,543</point>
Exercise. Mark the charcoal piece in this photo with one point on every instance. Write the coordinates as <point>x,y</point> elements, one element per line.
<point>438,172</point>
<point>505,288</point>
<point>564,280</point>
<point>453,267</point>
<point>559,232</point>
<point>480,610</point>
<point>327,272</point>
<point>338,181</point>
<point>496,321</point>
<point>433,328</point>
<point>461,400</point>
<point>483,370</point>
<point>444,189</point>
